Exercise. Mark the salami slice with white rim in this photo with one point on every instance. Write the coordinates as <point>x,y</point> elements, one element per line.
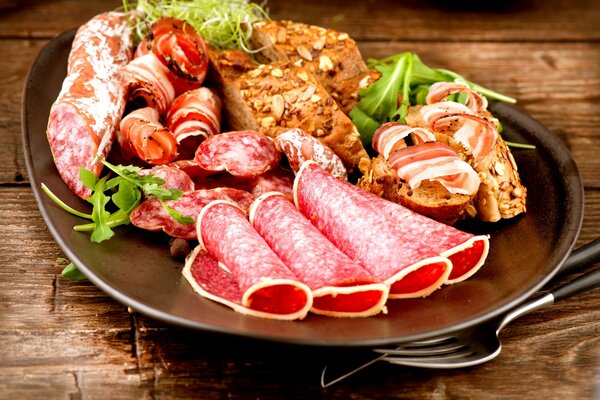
<point>276,180</point>
<point>268,286</point>
<point>243,153</point>
<point>402,259</point>
<point>341,287</point>
<point>467,252</point>
<point>84,118</point>
<point>174,177</point>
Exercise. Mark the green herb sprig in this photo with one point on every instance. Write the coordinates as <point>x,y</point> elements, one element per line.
<point>122,193</point>
<point>405,81</point>
<point>225,24</point>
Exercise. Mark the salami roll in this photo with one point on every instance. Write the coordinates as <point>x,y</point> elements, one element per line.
<point>399,257</point>
<point>340,287</point>
<point>84,118</point>
<point>268,287</point>
<point>467,252</point>
<point>299,146</point>
<point>245,154</point>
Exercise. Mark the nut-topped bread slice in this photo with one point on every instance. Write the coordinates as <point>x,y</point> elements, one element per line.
<point>271,98</point>
<point>331,56</point>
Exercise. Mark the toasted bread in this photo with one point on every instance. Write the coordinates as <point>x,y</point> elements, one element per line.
<point>331,56</point>
<point>271,98</point>
<point>430,198</point>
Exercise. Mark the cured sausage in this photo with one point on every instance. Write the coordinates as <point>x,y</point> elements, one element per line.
<point>268,286</point>
<point>143,136</point>
<point>341,287</point>
<point>299,147</point>
<point>399,257</point>
<point>243,154</point>
<point>194,116</point>
<point>85,116</point>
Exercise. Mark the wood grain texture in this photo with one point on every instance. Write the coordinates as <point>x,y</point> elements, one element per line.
<point>65,339</point>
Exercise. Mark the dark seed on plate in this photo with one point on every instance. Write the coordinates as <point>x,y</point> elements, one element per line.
<point>179,248</point>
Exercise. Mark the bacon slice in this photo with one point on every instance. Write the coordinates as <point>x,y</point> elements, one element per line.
<point>391,136</point>
<point>299,146</point>
<point>143,136</point>
<point>194,116</point>
<point>244,154</point>
<point>179,47</point>
<point>340,287</point>
<point>476,102</point>
<point>84,118</point>
<point>476,133</point>
<point>269,289</point>
<point>435,161</point>
<point>400,257</point>
<point>148,84</point>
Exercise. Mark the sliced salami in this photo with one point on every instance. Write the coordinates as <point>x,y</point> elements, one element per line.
<point>268,286</point>
<point>85,116</point>
<point>152,216</point>
<point>467,252</point>
<point>400,258</point>
<point>242,198</point>
<point>299,146</point>
<point>174,177</point>
<point>341,287</point>
<point>276,180</point>
<point>244,154</point>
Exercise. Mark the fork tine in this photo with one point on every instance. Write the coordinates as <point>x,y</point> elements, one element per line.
<point>424,360</point>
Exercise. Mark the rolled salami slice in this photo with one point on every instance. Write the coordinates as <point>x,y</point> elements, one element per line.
<point>341,287</point>
<point>152,216</point>
<point>244,154</point>
<point>467,252</point>
<point>299,147</point>
<point>400,258</point>
<point>266,283</point>
<point>85,116</point>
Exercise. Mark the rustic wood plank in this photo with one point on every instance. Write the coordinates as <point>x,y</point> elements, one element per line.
<point>534,20</point>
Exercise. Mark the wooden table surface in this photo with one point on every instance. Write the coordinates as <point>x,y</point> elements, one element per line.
<point>64,339</point>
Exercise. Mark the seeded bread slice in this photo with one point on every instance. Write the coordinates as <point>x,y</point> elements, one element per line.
<point>430,198</point>
<point>501,193</point>
<point>331,56</point>
<point>271,98</point>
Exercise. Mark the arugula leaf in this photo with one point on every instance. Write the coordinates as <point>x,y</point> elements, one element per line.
<point>404,81</point>
<point>72,273</point>
<point>99,214</point>
<point>177,216</point>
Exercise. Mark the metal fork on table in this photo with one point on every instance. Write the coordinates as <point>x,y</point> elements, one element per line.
<point>481,343</point>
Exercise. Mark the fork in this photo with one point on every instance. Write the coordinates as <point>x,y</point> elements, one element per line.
<point>481,343</point>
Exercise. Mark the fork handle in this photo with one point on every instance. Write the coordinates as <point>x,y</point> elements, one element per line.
<point>584,282</point>
<point>579,258</point>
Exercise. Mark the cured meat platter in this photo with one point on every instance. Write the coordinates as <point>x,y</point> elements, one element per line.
<point>136,269</point>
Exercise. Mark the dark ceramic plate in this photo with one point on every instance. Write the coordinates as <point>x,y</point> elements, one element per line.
<point>136,269</point>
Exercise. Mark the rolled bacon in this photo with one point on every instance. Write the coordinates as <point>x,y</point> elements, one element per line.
<point>401,258</point>
<point>143,136</point>
<point>391,136</point>
<point>340,287</point>
<point>85,116</point>
<point>476,102</point>
<point>266,287</point>
<point>435,161</point>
